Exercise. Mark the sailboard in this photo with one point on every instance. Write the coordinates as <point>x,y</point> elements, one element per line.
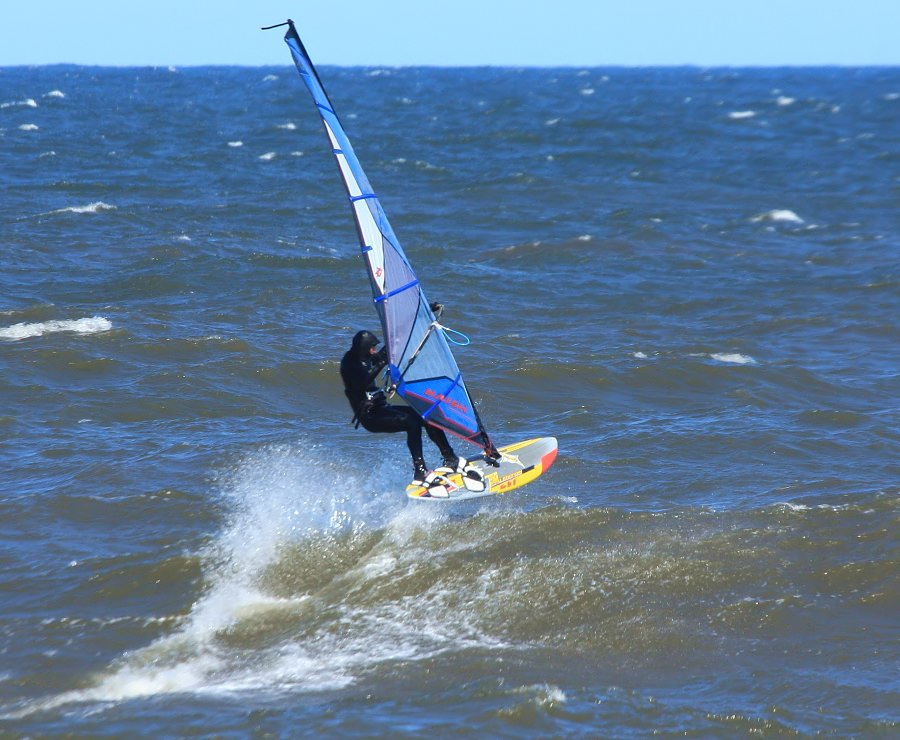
<point>519,464</point>
<point>421,367</point>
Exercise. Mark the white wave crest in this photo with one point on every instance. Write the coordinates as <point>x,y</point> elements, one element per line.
<point>95,207</point>
<point>733,358</point>
<point>29,127</point>
<point>793,507</point>
<point>778,215</point>
<point>740,115</point>
<point>55,94</point>
<point>268,156</point>
<point>544,694</point>
<point>93,325</point>
<point>27,103</point>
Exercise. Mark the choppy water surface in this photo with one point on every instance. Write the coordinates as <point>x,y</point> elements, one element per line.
<point>690,277</point>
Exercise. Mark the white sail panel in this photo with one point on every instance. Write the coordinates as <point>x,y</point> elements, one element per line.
<point>371,241</point>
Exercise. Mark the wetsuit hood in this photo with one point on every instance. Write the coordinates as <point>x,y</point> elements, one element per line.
<point>363,341</point>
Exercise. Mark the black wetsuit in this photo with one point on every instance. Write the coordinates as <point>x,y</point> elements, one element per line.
<point>371,409</point>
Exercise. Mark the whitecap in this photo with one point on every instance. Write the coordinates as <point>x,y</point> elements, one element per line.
<point>784,100</point>
<point>28,127</point>
<point>235,144</point>
<point>55,94</point>
<point>543,694</point>
<point>733,358</point>
<point>740,115</point>
<point>778,214</point>
<point>288,126</point>
<point>586,91</point>
<point>92,325</point>
<point>793,507</point>
<point>270,78</point>
<point>94,207</point>
<point>268,156</point>
<point>27,103</point>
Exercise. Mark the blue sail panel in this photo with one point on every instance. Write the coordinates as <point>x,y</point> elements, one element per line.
<point>443,401</point>
<point>421,365</point>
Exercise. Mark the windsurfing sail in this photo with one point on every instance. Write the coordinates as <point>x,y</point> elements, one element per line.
<point>421,365</point>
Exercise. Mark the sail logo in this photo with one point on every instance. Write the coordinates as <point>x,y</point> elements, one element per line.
<point>379,272</point>
<point>447,400</point>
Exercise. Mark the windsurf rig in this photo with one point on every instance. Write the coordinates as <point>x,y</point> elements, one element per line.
<point>421,366</point>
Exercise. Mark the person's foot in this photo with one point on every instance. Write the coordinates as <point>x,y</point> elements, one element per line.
<point>420,472</point>
<point>453,463</point>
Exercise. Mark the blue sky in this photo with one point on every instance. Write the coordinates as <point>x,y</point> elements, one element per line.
<point>456,32</point>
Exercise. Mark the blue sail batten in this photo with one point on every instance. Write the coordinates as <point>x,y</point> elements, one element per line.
<point>394,292</point>
<point>443,396</point>
<point>431,382</point>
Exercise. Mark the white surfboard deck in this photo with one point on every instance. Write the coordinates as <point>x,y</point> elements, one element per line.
<point>520,464</point>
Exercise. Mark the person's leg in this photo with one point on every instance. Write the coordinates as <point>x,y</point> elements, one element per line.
<point>390,419</point>
<point>439,438</point>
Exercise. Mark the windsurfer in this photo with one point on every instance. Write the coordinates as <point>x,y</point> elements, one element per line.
<point>360,366</point>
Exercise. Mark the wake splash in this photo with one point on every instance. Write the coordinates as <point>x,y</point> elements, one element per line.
<point>259,626</point>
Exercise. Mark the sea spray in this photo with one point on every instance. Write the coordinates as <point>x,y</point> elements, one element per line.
<point>277,497</point>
